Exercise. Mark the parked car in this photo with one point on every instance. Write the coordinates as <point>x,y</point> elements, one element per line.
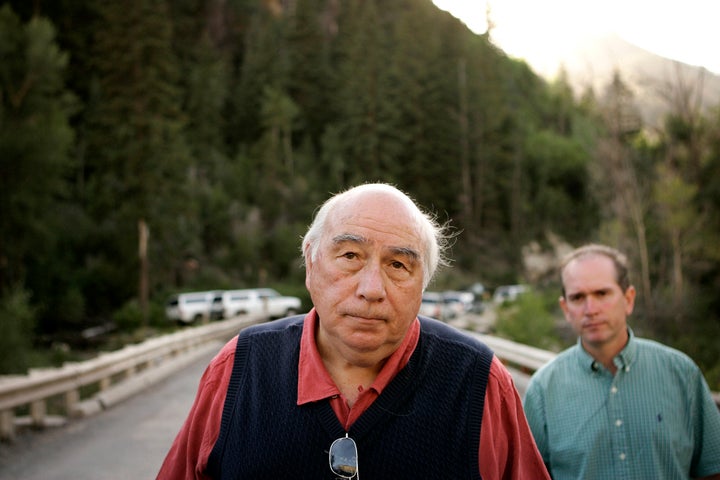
<point>480,294</point>
<point>256,301</point>
<point>276,305</point>
<point>457,303</point>
<point>190,307</point>
<point>232,303</point>
<point>432,305</point>
<point>508,293</point>
<point>216,307</point>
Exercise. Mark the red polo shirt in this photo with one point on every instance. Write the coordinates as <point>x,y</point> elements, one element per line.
<point>507,448</point>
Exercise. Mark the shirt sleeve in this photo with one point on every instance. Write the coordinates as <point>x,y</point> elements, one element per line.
<point>534,407</point>
<point>507,447</point>
<point>189,453</point>
<point>706,457</point>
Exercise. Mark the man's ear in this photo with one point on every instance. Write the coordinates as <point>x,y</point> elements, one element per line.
<point>630,299</point>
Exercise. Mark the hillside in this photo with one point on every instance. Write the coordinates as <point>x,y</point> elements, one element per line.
<point>657,82</point>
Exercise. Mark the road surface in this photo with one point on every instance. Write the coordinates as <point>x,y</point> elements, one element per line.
<point>128,441</point>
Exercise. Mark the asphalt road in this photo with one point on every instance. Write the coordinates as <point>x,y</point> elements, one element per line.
<point>127,441</point>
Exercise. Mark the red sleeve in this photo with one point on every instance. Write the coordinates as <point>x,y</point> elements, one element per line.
<point>507,447</point>
<point>188,456</point>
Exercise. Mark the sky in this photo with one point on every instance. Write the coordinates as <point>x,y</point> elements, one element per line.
<point>539,31</point>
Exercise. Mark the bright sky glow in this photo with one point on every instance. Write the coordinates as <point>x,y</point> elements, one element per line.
<point>541,31</point>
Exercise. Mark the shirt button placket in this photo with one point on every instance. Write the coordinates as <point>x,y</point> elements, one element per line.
<point>617,431</point>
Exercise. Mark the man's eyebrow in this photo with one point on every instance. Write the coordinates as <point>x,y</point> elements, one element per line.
<point>359,239</point>
<point>349,237</point>
<point>582,293</point>
<point>406,252</point>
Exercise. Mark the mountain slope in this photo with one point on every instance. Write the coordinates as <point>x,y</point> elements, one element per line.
<point>659,84</point>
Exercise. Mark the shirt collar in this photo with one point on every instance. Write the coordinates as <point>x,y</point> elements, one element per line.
<point>622,360</point>
<point>314,381</point>
<point>627,356</point>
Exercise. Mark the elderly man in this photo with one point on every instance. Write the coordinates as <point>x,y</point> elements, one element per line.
<point>360,383</point>
<point>614,405</point>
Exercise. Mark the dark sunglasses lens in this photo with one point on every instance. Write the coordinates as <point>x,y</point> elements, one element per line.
<point>343,457</point>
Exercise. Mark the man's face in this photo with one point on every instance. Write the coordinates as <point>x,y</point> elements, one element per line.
<point>594,304</point>
<point>367,279</point>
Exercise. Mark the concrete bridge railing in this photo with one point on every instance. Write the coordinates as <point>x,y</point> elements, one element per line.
<point>47,397</point>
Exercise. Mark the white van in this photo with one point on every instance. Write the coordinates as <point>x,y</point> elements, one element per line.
<point>264,301</point>
<point>190,307</point>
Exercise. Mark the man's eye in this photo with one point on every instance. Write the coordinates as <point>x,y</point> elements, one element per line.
<point>349,255</point>
<point>397,265</point>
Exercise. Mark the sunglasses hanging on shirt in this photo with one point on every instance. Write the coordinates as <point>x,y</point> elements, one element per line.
<point>344,458</point>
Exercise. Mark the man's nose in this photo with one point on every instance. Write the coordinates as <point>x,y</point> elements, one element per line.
<point>371,285</point>
<point>591,305</point>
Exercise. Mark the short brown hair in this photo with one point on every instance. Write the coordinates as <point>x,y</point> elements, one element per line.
<point>619,260</point>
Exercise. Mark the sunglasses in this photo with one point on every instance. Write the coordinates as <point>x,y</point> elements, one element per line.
<point>344,458</point>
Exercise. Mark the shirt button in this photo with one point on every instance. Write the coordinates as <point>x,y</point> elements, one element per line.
<point>613,389</point>
<point>618,423</point>
<point>622,456</point>
<point>627,369</point>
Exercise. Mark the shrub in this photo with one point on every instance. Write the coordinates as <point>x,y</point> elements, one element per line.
<point>17,324</point>
<point>530,321</point>
<point>129,317</point>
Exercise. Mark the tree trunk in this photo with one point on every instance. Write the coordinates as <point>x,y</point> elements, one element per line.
<point>465,181</point>
<point>143,285</point>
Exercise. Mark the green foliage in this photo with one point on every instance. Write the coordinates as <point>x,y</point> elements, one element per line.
<point>223,125</point>
<point>128,318</point>
<point>17,321</point>
<point>69,307</point>
<point>531,320</point>
<point>35,139</point>
<point>558,184</point>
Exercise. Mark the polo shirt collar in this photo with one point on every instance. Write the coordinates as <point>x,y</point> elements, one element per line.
<point>314,381</point>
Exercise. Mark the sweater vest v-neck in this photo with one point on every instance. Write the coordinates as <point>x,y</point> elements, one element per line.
<point>425,424</point>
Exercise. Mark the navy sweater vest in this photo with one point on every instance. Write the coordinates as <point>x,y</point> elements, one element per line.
<point>425,424</point>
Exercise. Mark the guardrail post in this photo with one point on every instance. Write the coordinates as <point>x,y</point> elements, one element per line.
<point>72,398</point>
<point>104,383</point>
<point>38,410</point>
<point>7,425</point>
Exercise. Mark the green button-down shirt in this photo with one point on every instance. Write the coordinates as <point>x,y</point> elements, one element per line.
<point>654,419</point>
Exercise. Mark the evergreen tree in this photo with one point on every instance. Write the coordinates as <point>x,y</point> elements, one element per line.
<point>138,162</point>
<point>368,113</point>
<point>35,140</point>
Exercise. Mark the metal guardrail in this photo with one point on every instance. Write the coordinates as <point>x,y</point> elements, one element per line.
<point>525,357</point>
<point>106,379</point>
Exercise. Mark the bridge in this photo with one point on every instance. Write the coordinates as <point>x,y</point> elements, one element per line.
<point>144,392</point>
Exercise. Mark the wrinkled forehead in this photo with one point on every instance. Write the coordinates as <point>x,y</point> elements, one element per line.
<point>376,216</point>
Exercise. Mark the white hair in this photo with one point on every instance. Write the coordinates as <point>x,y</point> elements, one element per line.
<point>434,236</point>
